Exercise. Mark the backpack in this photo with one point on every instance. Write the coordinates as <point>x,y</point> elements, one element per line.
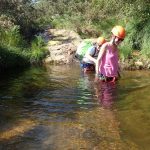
<point>82,48</point>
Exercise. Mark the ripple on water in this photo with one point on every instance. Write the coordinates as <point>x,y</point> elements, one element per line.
<point>59,108</point>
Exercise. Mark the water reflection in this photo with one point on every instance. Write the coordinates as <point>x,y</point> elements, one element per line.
<point>106,93</point>
<point>61,108</point>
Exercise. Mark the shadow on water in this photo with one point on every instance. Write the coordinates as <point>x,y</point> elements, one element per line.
<point>35,99</point>
<point>61,108</point>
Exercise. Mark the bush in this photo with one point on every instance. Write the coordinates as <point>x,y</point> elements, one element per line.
<point>145,48</point>
<point>37,50</point>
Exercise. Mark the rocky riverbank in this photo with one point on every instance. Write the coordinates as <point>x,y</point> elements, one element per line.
<point>62,45</point>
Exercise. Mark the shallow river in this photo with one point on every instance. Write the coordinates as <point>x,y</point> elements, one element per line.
<point>60,108</point>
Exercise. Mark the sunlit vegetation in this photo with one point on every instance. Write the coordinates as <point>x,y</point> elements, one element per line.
<point>17,33</point>
<point>97,17</point>
<point>20,20</point>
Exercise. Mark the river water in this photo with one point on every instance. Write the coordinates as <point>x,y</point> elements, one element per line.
<point>60,108</point>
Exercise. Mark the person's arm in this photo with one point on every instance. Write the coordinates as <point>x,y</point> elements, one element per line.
<point>90,57</point>
<point>100,55</point>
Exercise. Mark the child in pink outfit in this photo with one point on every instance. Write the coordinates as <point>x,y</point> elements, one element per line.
<point>107,62</point>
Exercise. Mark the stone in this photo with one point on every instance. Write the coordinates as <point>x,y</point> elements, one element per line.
<point>61,45</point>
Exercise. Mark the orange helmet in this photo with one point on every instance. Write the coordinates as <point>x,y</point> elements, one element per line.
<point>119,31</point>
<point>101,40</point>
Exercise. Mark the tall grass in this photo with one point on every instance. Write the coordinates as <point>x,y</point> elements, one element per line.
<point>11,37</point>
<point>125,50</point>
<point>137,39</point>
<point>13,52</point>
<point>11,48</point>
<point>145,48</point>
<point>38,50</point>
<point>126,46</point>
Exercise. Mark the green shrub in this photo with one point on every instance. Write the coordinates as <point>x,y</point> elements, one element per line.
<point>125,50</point>
<point>145,49</point>
<point>37,50</point>
<point>11,37</point>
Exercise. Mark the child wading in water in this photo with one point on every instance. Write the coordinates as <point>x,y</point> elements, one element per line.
<point>107,67</point>
<point>88,61</point>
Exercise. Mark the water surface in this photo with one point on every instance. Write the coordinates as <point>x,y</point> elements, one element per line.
<point>60,108</point>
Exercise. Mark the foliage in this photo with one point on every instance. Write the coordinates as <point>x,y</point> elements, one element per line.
<point>125,50</point>
<point>146,41</point>
<point>22,13</point>
<point>37,50</point>
<point>17,56</point>
<point>72,14</point>
<point>12,46</point>
<point>17,28</point>
<point>21,19</point>
<point>11,37</point>
<point>97,17</point>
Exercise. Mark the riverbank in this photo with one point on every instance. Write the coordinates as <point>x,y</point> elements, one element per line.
<point>62,45</point>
